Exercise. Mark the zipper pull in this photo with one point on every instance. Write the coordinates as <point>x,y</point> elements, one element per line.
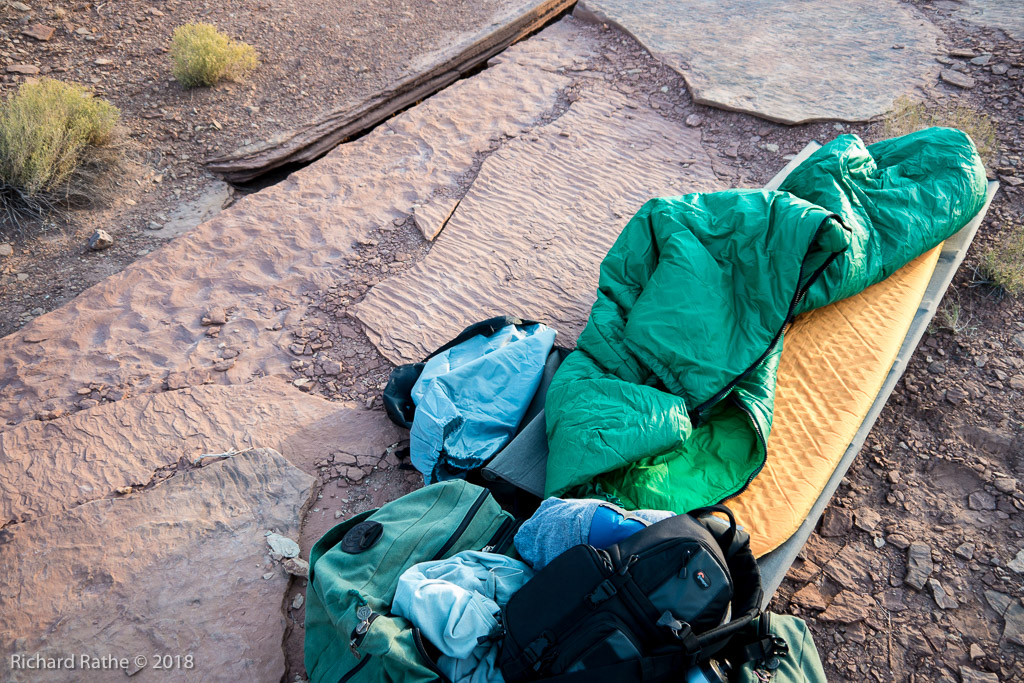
<point>487,549</point>
<point>364,614</point>
<point>629,563</point>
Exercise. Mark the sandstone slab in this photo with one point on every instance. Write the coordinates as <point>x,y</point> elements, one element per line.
<point>528,237</point>
<point>175,570</point>
<point>258,257</point>
<point>796,62</point>
<point>48,467</point>
<point>1002,14</point>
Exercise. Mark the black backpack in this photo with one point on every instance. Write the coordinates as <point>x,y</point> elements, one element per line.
<point>668,598</point>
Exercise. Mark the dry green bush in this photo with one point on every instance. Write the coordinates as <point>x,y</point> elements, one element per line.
<point>203,56</point>
<point>56,141</point>
<point>908,116</point>
<point>1003,264</point>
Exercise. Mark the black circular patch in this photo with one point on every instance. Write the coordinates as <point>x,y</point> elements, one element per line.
<point>362,537</point>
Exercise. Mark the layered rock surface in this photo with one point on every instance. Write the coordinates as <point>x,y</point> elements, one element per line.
<point>182,569</point>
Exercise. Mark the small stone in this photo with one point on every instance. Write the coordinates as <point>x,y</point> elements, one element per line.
<point>943,599</point>
<point>976,651</point>
<point>297,601</point>
<point>331,367</point>
<point>1017,382</point>
<point>6,250</point>
<point>282,545</point>
<point>964,551</point>
<point>84,391</point>
<point>694,120</point>
<point>337,514</point>
<point>1017,563</point>
<point>23,69</point>
<point>124,490</point>
<point>974,676</point>
<point>898,541</point>
<point>867,519</point>
<point>836,521</point>
<point>981,500</point>
<point>224,365</point>
<point>38,31</point>
<point>891,599</point>
<point>919,565</point>
<point>229,353</point>
<point>1000,602</point>
<point>1018,339</point>
<point>103,61</point>
<point>1013,630</point>
<point>962,53</point>
<point>878,541</point>
<point>1012,180</point>
<point>771,147</point>
<point>810,597</point>
<point>937,368</point>
<point>848,607</point>
<point>303,383</point>
<point>955,395</point>
<point>268,576</point>
<point>1005,485</point>
<point>1000,69</point>
<point>215,316</point>
<point>100,239</point>
<point>956,78</point>
<point>295,566</point>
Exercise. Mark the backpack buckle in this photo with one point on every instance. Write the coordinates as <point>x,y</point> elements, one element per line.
<point>535,651</point>
<point>603,592</point>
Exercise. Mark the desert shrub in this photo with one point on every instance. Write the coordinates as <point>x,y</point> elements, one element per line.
<point>1003,264</point>
<point>908,116</point>
<point>202,55</point>
<point>53,137</point>
<point>952,318</point>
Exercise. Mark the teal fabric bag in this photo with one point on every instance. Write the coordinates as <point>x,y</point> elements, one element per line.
<point>354,569</point>
<point>801,665</point>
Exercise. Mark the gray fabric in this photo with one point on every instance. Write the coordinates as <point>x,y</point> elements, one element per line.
<point>559,524</point>
<point>523,462</point>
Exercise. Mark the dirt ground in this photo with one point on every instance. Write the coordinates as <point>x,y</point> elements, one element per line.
<point>939,485</point>
<point>315,56</point>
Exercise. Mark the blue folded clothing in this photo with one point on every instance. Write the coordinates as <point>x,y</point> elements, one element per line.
<point>470,399</point>
<point>559,524</point>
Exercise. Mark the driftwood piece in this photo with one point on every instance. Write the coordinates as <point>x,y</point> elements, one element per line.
<point>315,139</point>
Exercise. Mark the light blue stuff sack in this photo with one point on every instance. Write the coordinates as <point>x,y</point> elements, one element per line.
<point>471,398</point>
<point>559,524</point>
<point>455,603</point>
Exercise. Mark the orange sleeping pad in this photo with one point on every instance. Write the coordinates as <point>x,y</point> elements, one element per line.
<point>834,362</point>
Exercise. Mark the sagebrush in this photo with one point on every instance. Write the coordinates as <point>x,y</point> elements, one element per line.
<point>56,139</point>
<point>203,56</point>
<point>908,116</point>
<point>1003,264</point>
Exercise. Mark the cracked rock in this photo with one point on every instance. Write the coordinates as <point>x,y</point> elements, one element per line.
<point>943,599</point>
<point>919,565</point>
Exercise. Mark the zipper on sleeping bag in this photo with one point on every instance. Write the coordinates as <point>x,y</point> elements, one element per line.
<point>462,527</point>
<point>700,411</point>
<point>764,449</point>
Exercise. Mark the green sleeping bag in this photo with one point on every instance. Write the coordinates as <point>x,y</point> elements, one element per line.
<point>666,403</point>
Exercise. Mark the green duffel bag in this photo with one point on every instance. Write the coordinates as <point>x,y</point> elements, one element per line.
<point>800,665</point>
<point>354,569</point>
